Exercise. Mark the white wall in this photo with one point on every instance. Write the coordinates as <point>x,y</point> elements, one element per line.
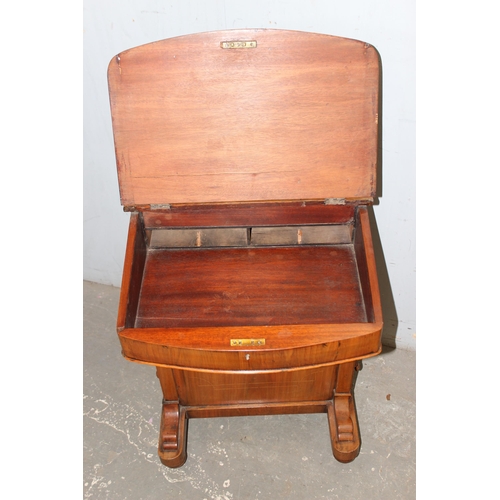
<point>113,26</point>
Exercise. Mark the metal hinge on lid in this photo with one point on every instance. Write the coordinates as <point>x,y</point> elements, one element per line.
<point>350,201</point>
<point>142,208</point>
<point>160,206</point>
<point>335,201</point>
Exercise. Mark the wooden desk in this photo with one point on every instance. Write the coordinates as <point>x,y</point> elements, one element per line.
<point>247,160</point>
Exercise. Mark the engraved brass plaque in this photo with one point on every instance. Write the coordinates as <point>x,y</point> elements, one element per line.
<point>247,342</point>
<point>239,44</point>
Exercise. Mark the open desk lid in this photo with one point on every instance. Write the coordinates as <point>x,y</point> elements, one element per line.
<point>245,115</point>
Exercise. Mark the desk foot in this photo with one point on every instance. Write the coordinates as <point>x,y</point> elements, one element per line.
<point>172,448</point>
<point>344,430</point>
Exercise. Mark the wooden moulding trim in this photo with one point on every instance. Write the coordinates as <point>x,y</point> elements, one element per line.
<point>166,207</point>
<point>246,409</point>
<point>248,215</point>
<point>258,371</point>
<point>278,338</point>
<point>331,346</point>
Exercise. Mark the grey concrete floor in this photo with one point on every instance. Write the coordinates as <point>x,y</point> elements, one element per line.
<point>238,458</point>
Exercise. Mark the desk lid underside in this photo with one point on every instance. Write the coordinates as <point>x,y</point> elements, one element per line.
<point>294,118</point>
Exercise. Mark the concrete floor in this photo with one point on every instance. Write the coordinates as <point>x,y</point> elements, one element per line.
<point>239,458</point>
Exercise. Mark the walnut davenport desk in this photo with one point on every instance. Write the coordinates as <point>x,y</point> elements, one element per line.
<point>247,159</point>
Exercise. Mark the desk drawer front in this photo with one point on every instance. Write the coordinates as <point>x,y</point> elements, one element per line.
<point>202,388</point>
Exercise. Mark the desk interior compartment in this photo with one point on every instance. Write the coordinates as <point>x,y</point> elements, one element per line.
<point>307,267</point>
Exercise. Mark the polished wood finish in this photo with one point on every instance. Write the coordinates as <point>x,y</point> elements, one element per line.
<point>227,283</point>
<point>224,287</point>
<point>319,312</point>
<point>367,270</point>
<point>135,259</point>
<point>342,417</point>
<point>293,119</point>
<point>200,388</point>
<point>172,443</point>
<point>170,421</point>
<point>249,279</point>
<point>248,215</point>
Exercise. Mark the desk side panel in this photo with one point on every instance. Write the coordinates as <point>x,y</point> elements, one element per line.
<point>133,269</point>
<point>363,246</point>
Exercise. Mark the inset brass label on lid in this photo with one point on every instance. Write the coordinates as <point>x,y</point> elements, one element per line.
<point>247,342</point>
<point>239,44</point>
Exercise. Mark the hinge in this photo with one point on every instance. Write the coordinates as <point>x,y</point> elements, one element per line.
<point>335,201</point>
<point>142,208</point>
<point>160,206</point>
<point>349,201</point>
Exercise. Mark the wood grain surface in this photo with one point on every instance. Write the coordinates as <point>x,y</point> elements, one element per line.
<point>294,118</point>
<point>246,287</point>
<point>248,214</point>
<point>246,170</point>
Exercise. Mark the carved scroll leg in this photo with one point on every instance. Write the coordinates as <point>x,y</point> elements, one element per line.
<point>344,430</point>
<point>172,448</point>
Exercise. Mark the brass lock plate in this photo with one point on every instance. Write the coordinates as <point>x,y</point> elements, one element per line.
<point>247,342</point>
